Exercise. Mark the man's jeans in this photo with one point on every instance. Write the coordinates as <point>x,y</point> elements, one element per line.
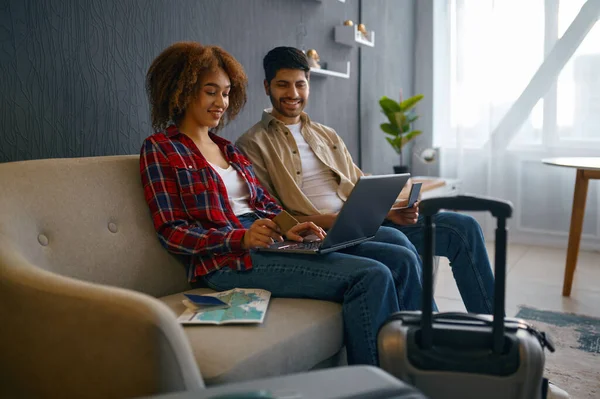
<point>459,238</point>
<point>371,280</point>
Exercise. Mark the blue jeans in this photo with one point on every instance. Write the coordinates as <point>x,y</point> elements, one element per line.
<point>459,238</point>
<point>371,280</point>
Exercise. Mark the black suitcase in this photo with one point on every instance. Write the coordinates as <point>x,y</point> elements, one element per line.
<point>462,355</point>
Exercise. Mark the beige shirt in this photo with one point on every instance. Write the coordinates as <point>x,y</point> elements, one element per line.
<point>274,154</point>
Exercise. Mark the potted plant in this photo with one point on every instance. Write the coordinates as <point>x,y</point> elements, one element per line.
<point>401,116</point>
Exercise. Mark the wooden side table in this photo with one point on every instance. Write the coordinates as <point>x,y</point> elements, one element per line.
<point>438,186</point>
<point>587,168</point>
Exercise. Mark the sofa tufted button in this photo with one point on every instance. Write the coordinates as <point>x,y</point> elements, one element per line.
<point>112,227</point>
<point>43,240</point>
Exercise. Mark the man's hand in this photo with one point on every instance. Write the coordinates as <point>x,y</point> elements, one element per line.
<point>262,233</point>
<point>303,229</point>
<point>406,189</point>
<point>405,216</point>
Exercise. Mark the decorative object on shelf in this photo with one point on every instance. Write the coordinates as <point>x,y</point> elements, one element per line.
<point>320,72</point>
<point>313,58</point>
<point>349,35</point>
<point>362,28</point>
<point>348,22</point>
<point>401,116</point>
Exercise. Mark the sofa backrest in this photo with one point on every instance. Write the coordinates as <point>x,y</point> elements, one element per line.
<point>86,218</point>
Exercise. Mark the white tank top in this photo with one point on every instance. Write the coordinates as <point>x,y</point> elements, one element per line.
<point>237,189</point>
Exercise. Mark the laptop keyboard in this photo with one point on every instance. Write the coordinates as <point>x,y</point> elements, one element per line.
<point>311,246</point>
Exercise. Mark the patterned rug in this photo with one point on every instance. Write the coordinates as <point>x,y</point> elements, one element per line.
<point>575,366</point>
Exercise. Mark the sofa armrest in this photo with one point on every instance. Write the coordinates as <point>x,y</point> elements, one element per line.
<point>63,337</point>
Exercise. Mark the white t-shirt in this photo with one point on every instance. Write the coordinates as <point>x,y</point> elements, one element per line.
<point>237,189</point>
<point>319,183</point>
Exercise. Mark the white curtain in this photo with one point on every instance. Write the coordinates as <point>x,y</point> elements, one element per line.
<point>495,49</point>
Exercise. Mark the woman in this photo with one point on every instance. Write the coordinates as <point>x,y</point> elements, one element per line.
<point>209,209</point>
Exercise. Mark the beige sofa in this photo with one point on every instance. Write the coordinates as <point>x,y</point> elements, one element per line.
<point>80,263</point>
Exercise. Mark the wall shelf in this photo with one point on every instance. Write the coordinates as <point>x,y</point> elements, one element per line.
<point>349,35</point>
<point>319,72</point>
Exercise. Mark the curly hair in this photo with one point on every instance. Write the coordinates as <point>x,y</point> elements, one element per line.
<point>174,79</point>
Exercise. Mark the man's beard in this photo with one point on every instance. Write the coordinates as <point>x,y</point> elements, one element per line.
<point>279,107</point>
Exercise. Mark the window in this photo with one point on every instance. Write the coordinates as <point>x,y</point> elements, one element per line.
<point>578,87</point>
<point>496,47</point>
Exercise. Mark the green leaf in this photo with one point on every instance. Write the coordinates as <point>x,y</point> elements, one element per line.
<point>393,143</point>
<point>409,136</point>
<point>389,129</point>
<point>410,102</point>
<point>400,119</point>
<point>389,106</point>
<point>398,143</point>
<point>391,118</point>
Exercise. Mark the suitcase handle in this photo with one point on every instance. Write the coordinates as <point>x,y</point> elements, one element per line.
<point>501,210</point>
<point>498,208</point>
<point>460,316</point>
<point>463,316</point>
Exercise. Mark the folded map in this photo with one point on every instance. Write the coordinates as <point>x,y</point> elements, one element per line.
<point>244,305</point>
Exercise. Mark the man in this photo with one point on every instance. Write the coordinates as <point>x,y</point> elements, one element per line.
<point>308,168</point>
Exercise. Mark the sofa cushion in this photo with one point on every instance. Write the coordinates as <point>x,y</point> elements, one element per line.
<point>87,218</point>
<point>296,335</point>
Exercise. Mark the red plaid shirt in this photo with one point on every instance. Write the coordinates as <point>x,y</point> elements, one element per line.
<point>189,205</point>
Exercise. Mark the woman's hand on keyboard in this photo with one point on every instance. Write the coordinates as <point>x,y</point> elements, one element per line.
<point>304,229</point>
<point>262,233</point>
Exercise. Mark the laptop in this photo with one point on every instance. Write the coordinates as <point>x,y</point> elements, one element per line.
<point>358,220</point>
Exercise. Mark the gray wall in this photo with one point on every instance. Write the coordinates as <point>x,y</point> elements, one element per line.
<point>383,73</point>
<point>72,71</point>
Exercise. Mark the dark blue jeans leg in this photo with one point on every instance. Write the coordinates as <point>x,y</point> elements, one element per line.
<point>364,287</point>
<point>403,261</point>
<point>459,238</point>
